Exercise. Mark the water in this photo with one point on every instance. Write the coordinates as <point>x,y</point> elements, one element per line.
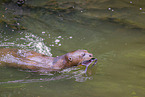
<point>112,30</point>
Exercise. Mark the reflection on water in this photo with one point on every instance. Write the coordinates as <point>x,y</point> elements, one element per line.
<point>113,30</point>
<point>70,73</point>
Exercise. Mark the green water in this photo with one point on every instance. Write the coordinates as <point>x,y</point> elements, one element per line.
<point>113,30</point>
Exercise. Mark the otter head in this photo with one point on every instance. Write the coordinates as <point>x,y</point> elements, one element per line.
<point>79,57</point>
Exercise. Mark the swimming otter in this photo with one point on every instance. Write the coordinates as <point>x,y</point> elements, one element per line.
<point>39,62</point>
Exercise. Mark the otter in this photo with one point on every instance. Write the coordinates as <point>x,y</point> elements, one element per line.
<point>32,60</point>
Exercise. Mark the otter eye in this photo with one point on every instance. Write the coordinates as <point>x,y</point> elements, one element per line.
<point>83,54</point>
<point>90,55</point>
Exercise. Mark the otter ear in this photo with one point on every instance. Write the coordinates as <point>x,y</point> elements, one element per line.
<point>70,59</point>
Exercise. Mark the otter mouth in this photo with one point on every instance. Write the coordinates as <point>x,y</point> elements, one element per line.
<point>88,62</point>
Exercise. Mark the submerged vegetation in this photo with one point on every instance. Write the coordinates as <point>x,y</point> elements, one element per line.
<point>10,16</point>
<point>12,22</point>
<point>13,11</point>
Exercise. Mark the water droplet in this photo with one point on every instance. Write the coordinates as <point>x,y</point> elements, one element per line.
<point>130,1</point>
<point>59,37</point>
<point>109,8</point>
<point>140,8</point>
<point>18,23</point>
<point>59,44</point>
<point>57,40</point>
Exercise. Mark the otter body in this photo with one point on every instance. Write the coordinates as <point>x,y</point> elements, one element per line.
<point>35,61</point>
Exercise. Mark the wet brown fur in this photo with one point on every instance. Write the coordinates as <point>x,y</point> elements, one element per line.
<point>35,61</point>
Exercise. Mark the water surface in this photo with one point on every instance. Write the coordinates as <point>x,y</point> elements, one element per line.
<point>114,31</point>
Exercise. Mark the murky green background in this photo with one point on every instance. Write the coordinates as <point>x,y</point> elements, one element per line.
<point>113,30</point>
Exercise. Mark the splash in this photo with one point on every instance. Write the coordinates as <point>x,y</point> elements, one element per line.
<point>36,43</point>
<point>30,42</point>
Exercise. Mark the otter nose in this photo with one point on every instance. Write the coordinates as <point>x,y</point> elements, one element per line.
<point>90,55</point>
